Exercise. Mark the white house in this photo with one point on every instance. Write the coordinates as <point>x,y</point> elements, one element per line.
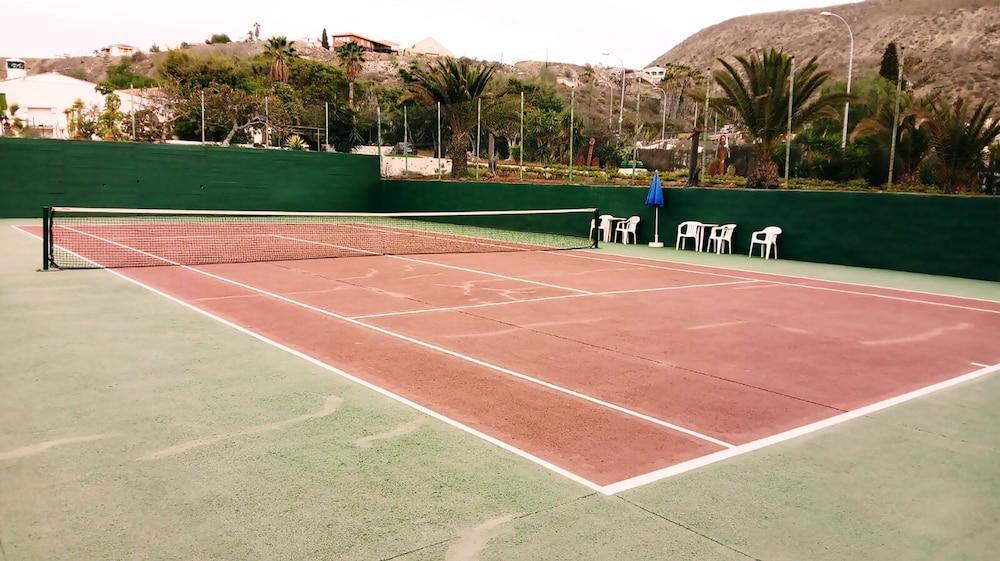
<point>43,98</point>
<point>118,50</point>
<point>653,74</point>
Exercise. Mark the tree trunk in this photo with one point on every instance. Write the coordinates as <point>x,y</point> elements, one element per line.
<point>350,94</point>
<point>764,172</point>
<point>458,151</point>
<point>232,132</point>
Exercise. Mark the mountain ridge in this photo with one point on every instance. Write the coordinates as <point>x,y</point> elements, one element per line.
<point>952,47</point>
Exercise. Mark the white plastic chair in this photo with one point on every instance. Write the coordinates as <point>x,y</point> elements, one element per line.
<point>767,239</point>
<point>626,228</point>
<point>687,230</point>
<point>721,238</point>
<point>605,227</point>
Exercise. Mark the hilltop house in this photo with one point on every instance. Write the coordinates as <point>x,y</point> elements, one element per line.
<point>377,46</point>
<point>653,74</point>
<point>118,50</point>
<point>43,100</point>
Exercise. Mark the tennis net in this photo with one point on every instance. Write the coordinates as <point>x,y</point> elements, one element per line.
<point>75,238</point>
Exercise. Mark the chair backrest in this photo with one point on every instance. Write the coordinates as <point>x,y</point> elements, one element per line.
<point>606,221</point>
<point>772,231</point>
<point>633,221</point>
<point>727,231</point>
<point>687,227</point>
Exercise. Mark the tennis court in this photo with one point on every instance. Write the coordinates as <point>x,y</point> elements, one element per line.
<point>612,371</point>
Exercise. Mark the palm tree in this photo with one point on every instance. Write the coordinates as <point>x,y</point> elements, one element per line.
<point>959,139</point>
<point>756,99</point>
<point>912,140</point>
<point>352,58</point>
<point>281,50</point>
<point>456,84</point>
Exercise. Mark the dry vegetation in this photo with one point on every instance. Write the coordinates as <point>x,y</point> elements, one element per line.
<point>952,46</point>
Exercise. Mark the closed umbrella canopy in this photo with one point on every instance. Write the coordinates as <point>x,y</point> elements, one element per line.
<point>655,195</point>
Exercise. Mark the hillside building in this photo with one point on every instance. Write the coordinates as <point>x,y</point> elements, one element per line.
<point>44,99</point>
<point>118,50</point>
<point>373,45</point>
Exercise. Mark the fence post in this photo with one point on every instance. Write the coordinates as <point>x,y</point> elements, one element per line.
<point>406,130</point>
<point>788,134</point>
<point>521,155</point>
<point>378,135</point>
<point>895,119</point>
<point>203,116</point>
<point>572,104</point>
<point>479,116</point>
<point>440,165</point>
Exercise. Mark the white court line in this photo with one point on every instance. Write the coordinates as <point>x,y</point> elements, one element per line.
<point>497,275</point>
<point>826,288</point>
<point>399,257</point>
<point>979,364</point>
<point>714,325</point>
<point>449,352</point>
<point>689,465</point>
<point>800,277</point>
<point>360,381</point>
<point>543,299</point>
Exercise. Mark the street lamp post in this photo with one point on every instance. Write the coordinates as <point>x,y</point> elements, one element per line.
<point>850,71</point>
<point>621,103</point>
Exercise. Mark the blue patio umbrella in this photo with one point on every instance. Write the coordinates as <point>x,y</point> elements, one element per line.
<point>655,199</point>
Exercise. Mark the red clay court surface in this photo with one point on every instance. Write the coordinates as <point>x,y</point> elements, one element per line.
<point>609,370</point>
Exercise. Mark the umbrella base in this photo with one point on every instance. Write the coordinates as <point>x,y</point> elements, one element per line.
<point>655,244</point>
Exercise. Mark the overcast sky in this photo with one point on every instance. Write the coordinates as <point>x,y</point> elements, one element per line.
<point>572,31</point>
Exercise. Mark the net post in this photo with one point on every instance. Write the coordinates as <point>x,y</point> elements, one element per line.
<point>46,237</point>
<point>597,229</point>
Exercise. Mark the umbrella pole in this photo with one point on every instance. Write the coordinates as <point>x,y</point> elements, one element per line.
<point>656,230</point>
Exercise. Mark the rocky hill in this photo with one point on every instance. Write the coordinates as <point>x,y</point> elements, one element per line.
<point>951,46</point>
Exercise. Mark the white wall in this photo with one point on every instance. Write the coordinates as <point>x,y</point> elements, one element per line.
<point>43,98</point>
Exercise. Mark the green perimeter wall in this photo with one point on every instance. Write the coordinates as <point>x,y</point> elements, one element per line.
<point>37,173</point>
<point>935,234</point>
